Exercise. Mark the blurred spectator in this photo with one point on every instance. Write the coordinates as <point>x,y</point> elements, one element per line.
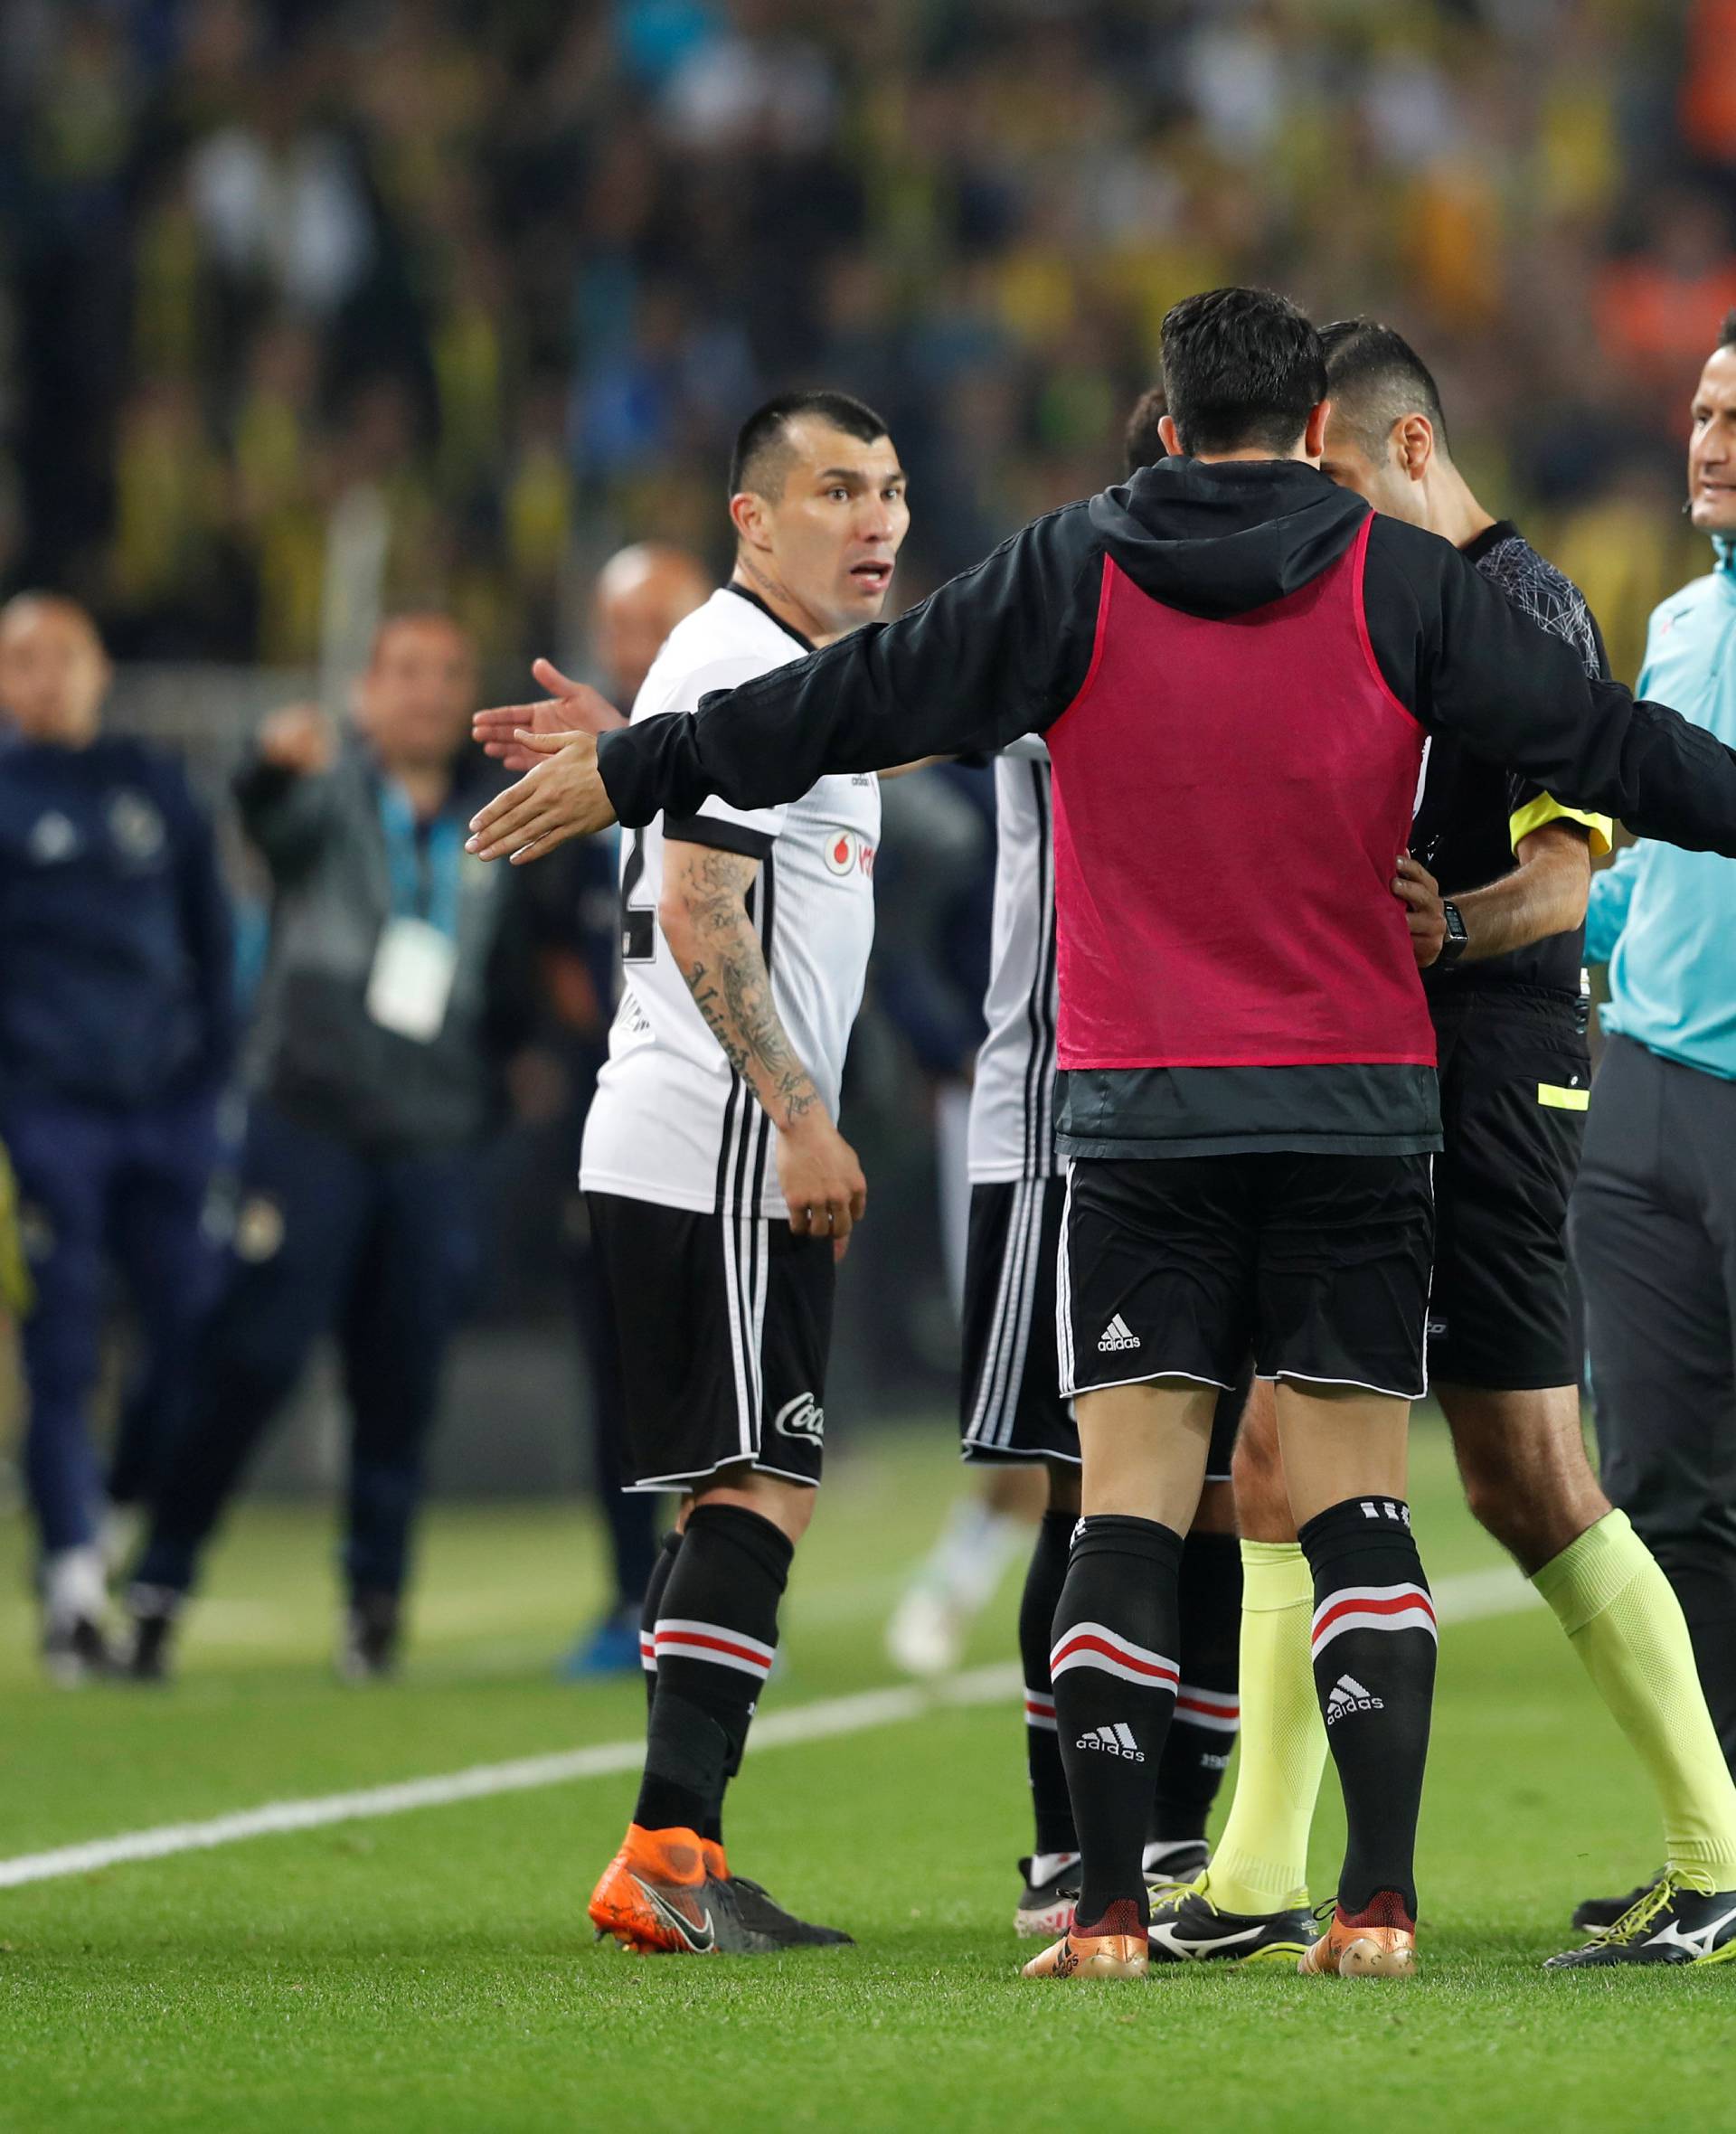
<point>647,213</point>
<point>116,1038</point>
<point>392,995</point>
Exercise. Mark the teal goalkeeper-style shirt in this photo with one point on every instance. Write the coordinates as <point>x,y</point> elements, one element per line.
<point>1665,921</point>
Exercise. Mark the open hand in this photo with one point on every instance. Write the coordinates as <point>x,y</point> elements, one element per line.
<point>1417,889</point>
<point>570,707</point>
<point>561,795</point>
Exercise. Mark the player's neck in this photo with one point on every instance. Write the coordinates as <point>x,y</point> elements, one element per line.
<point>769,588</point>
<point>1454,512</point>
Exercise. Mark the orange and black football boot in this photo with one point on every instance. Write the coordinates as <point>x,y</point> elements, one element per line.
<point>1380,1941</point>
<point>654,1895</point>
<point>1114,1947</point>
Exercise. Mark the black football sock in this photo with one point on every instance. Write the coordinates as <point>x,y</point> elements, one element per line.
<point>659,1579</point>
<point>1374,1649</point>
<point>713,1825</point>
<point>716,1635</point>
<point>1114,1672</point>
<point>1203,1731</point>
<point>1043,1585</point>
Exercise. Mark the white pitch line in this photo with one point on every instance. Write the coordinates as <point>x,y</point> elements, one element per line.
<point>1467,1598</point>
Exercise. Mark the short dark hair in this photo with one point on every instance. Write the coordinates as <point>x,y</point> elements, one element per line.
<point>1241,367</point>
<point>1727,332</point>
<point>1145,444</point>
<point>1374,378</point>
<point>761,459</point>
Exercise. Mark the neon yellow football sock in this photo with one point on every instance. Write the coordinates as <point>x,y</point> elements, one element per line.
<point>1261,1862</point>
<point>1623,1619</point>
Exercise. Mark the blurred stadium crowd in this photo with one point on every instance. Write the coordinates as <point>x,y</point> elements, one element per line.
<point>311,313</point>
<point>489,282</point>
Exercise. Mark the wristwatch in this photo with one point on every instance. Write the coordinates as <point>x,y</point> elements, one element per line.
<point>1458,940</point>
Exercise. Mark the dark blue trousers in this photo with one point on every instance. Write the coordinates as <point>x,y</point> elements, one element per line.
<point>378,1251</point>
<point>101,1190</point>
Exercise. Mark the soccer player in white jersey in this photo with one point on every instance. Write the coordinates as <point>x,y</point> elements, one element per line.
<point>721,1190</point>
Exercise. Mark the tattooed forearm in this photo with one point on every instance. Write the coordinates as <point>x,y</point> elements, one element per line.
<point>731,988</point>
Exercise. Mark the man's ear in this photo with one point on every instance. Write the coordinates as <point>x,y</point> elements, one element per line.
<point>1171,436</point>
<point>1314,434</point>
<point>1414,439</point>
<point>747,516</point>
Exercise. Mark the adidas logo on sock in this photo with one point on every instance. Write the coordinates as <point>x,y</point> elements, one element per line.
<point>1117,1334</point>
<point>1113,1741</point>
<point>1349,1695</point>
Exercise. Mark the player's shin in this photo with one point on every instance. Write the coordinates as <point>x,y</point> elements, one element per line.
<point>1261,1861</point>
<point>1114,1672</point>
<point>649,1611</point>
<point>1625,1622</point>
<point>1202,1731</point>
<point>1038,1606</point>
<point>1374,1647</point>
<point>716,1635</point>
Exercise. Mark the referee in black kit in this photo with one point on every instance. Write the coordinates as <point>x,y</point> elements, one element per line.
<point>1228,639</point>
<point>1501,951</point>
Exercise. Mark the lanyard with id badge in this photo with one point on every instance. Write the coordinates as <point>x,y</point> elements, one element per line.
<point>416,962</point>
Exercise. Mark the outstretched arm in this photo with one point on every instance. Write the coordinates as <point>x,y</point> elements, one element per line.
<point>1516,694</point>
<point>704,914</point>
<point>996,653</point>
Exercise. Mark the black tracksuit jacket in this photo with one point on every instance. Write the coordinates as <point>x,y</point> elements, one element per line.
<point>1005,648</point>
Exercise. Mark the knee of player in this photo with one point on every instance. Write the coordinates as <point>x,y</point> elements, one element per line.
<point>1533,1526</point>
<point>787,1505</point>
<point>1257,1471</point>
<point>1490,1496</point>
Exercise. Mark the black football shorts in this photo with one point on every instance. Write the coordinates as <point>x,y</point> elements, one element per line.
<point>1515,1080</point>
<point>725,1326</point>
<point>1011,1405</point>
<point>1318,1266</point>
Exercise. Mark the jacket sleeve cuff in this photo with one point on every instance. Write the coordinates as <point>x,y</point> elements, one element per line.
<point>635,766</point>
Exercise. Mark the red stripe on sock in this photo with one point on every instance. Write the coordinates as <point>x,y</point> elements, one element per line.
<point>1395,1604</point>
<point>1159,1671</point>
<point>686,1640</point>
<point>1213,1708</point>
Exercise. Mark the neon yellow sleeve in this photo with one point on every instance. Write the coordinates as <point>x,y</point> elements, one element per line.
<point>1546,808</point>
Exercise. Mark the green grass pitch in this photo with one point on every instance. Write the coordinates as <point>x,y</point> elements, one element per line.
<point>434,1971</point>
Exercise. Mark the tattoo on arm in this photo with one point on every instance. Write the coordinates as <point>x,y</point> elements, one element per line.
<point>731,988</point>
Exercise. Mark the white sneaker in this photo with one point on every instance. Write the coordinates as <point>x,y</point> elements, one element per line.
<point>118,1536</point>
<point>926,1636</point>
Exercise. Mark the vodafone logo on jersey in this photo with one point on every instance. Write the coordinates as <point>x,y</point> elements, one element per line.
<point>846,854</point>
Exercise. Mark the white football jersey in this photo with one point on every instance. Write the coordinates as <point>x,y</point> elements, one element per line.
<point>672,1121</point>
<point>1013,1099</point>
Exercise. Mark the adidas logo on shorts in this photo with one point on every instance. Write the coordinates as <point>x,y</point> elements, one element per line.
<point>1117,1334</point>
<point>1349,1695</point>
<point>1114,1740</point>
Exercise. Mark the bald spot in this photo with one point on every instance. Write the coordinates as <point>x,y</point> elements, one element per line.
<point>641,593</point>
<point>24,611</point>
